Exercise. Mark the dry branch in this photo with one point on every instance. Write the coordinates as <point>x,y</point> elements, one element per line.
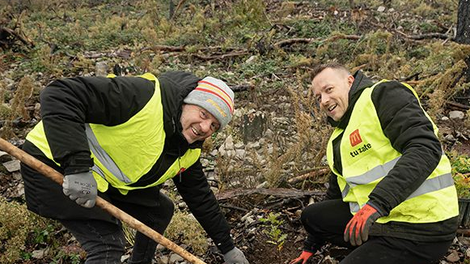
<point>278,192</point>
<point>461,106</point>
<point>312,174</point>
<point>222,56</point>
<point>178,7</point>
<point>286,42</point>
<point>166,48</point>
<point>425,36</point>
<point>242,87</point>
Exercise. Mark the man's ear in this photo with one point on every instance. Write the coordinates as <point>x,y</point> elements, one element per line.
<point>350,80</point>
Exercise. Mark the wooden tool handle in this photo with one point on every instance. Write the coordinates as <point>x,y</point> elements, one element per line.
<point>105,205</point>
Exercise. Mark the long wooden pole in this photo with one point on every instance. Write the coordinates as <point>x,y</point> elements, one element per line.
<point>105,205</point>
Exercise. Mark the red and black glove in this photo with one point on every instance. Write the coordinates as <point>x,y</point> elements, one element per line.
<point>302,259</point>
<point>357,230</point>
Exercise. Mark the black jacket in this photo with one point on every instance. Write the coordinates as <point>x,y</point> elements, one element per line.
<point>67,104</point>
<point>411,133</point>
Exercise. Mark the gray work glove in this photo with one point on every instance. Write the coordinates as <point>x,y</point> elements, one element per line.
<point>81,188</point>
<point>235,256</point>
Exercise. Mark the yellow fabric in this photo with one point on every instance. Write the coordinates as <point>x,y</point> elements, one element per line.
<point>372,149</point>
<point>133,146</point>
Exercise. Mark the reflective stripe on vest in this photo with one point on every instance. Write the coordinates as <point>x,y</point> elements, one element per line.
<point>104,158</point>
<point>367,157</point>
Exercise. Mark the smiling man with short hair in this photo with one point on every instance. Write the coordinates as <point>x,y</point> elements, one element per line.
<point>391,197</point>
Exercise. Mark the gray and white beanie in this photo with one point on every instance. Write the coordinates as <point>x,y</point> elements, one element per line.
<point>215,96</point>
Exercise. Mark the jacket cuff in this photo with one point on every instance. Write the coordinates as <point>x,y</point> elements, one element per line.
<point>226,246</point>
<point>309,244</point>
<point>77,164</point>
<point>380,211</point>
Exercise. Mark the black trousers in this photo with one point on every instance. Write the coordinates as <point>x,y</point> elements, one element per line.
<point>100,234</point>
<point>325,222</point>
<point>104,241</point>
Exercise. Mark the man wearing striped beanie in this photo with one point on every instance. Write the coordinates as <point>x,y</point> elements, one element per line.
<point>208,108</point>
<point>121,138</point>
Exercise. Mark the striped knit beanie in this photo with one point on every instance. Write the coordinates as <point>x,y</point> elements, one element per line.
<point>215,96</point>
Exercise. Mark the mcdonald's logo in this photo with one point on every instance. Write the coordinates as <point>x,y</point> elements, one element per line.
<point>355,138</point>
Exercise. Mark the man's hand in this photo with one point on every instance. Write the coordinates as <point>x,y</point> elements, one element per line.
<point>303,258</point>
<point>357,230</point>
<point>235,256</point>
<point>81,188</point>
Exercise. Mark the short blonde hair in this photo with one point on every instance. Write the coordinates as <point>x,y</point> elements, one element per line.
<point>331,65</point>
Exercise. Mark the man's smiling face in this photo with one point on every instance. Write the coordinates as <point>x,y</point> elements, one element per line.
<point>331,89</point>
<point>197,123</point>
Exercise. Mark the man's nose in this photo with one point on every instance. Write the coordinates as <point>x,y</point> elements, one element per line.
<point>206,126</point>
<point>324,99</point>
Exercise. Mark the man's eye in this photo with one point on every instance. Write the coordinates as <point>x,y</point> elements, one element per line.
<point>215,126</point>
<point>203,114</point>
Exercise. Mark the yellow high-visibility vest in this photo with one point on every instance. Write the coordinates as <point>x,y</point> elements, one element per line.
<point>122,154</point>
<point>367,156</point>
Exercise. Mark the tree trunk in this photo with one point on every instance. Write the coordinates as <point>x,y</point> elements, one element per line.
<point>463,29</point>
<point>463,22</point>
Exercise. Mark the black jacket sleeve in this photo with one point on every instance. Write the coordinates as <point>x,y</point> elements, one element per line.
<point>411,133</point>
<point>333,191</point>
<point>200,199</point>
<point>67,104</point>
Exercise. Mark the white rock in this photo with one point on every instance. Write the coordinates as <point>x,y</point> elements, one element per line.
<point>160,248</point>
<point>12,166</point>
<point>262,185</point>
<point>250,59</point>
<point>240,153</point>
<point>253,145</point>
<point>101,68</point>
<point>39,254</point>
<point>229,143</point>
<point>243,219</point>
<point>163,260</point>
<point>456,115</point>
<point>381,9</point>
<point>453,257</point>
<point>174,258</point>
<point>449,137</point>
<point>16,175</point>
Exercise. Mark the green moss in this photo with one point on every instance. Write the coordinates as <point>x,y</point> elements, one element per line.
<point>184,227</point>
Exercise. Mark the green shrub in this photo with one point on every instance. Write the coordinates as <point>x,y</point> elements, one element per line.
<point>16,223</point>
<point>184,227</point>
<point>461,174</point>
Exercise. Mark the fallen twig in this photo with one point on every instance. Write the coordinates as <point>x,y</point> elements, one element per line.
<point>222,56</point>
<point>279,192</point>
<point>312,174</point>
<point>242,87</point>
<point>462,106</point>
<point>286,42</point>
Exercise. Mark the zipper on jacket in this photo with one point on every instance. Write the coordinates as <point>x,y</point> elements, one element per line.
<point>179,149</point>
